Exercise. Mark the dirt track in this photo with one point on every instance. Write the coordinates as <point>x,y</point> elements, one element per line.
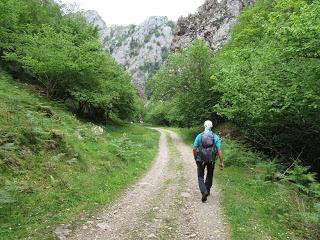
<point>164,204</point>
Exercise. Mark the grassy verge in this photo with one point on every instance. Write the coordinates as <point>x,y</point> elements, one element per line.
<point>259,206</point>
<point>54,168</point>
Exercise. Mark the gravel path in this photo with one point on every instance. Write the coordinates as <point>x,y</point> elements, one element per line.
<point>164,204</point>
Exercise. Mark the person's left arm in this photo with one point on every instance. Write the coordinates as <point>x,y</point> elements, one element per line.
<point>219,150</point>
<point>221,159</point>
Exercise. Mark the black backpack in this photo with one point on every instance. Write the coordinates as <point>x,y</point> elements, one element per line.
<point>207,150</point>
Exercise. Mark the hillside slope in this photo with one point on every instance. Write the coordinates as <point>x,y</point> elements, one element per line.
<point>54,167</point>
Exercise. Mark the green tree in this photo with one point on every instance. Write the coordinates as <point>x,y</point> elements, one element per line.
<point>184,83</point>
<point>62,53</point>
<point>268,76</point>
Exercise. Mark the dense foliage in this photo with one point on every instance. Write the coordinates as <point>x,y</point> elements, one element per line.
<point>44,44</point>
<point>181,90</point>
<point>266,80</point>
<point>269,77</point>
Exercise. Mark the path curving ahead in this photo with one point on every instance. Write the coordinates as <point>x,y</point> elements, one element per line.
<point>164,204</point>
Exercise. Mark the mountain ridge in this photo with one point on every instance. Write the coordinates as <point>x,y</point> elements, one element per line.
<point>211,23</point>
<point>140,49</point>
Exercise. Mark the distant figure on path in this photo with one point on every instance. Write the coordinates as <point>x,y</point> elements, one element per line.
<point>205,147</point>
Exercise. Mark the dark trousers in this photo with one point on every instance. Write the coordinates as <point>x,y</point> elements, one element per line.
<point>205,186</point>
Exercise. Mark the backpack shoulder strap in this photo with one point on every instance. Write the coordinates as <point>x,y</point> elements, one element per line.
<point>214,141</point>
<point>201,146</point>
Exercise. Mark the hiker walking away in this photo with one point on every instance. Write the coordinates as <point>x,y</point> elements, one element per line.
<point>205,147</point>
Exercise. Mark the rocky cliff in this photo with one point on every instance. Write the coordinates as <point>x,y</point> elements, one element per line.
<point>211,23</point>
<point>94,18</point>
<point>141,49</point>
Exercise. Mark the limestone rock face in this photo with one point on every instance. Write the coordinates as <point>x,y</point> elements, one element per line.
<point>140,49</point>
<point>94,17</point>
<point>211,23</point>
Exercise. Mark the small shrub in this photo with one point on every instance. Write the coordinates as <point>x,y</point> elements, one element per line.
<point>239,155</point>
<point>123,148</point>
<point>32,136</point>
<point>269,171</point>
<point>304,180</point>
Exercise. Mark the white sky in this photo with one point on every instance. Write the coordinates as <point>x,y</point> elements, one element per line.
<point>124,12</point>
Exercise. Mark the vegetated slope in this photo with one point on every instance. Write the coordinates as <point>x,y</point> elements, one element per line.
<point>43,44</point>
<point>141,49</point>
<point>54,167</point>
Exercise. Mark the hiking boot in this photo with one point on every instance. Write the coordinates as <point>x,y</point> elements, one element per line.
<point>204,196</point>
